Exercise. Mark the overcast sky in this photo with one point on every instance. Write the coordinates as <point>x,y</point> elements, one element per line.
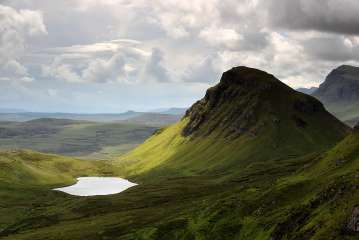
<point>116,55</point>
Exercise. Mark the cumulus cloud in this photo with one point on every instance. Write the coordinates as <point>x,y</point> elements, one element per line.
<point>121,61</point>
<point>205,70</point>
<point>155,68</point>
<point>109,70</point>
<point>217,36</point>
<point>16,28</point>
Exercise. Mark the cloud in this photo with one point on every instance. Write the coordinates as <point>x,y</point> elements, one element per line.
<point>121,61</point>
<point>320,15</point>
<point>217,36</point>
<point>206,70</point>
<point>333,48</point>
<point>109,70</point>
<point>155,68</point>
<point>16,28</point>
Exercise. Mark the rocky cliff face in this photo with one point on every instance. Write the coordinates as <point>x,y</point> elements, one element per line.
<point>341,85</point>
<point>247,100</point>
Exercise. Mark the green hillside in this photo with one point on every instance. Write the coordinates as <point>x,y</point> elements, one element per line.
<point>26,180</point>
<point>253,159</point>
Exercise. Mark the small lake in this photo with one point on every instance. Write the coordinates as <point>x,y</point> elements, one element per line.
<point>94,186</point>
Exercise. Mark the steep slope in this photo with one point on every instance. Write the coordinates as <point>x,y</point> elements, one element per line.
<point>250,118</point>
<point>327,208</point>
<point>340,93</point>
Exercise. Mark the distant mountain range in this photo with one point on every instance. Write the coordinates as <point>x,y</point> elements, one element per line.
<point>23,116</point>
<point>340,93</point>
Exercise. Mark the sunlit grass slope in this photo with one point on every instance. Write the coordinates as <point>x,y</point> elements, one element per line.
<point>31,168</point>
<point>27,179</point>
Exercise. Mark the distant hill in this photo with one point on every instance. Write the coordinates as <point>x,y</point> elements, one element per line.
<point>307,90</point>
<point>340,93</point>
<point>73,137</point>
<point>153,119</point>
<point>105,117</point>
<point>100,117</point>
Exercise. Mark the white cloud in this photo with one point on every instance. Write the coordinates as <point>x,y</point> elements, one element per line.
<point>15,28</point>
<point>206,70</point>
<point>100,70</point>
<point>108,62</point>
<point>155,69</point>
<point>224,37</point>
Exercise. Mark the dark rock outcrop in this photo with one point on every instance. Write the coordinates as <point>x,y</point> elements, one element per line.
<point>353,222</point>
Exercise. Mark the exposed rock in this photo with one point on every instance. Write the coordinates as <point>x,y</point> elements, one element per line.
<point>353,222</point>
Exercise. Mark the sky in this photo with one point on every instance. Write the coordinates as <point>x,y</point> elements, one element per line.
<point>115,55</point>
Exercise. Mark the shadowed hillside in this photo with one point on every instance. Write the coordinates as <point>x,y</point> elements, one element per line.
<point>340,93</point>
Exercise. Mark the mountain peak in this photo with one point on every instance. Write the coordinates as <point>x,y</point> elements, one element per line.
<point>246,101</point>
<point>347,68</point>
<point>246,77</point>
<point>341,85</point>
